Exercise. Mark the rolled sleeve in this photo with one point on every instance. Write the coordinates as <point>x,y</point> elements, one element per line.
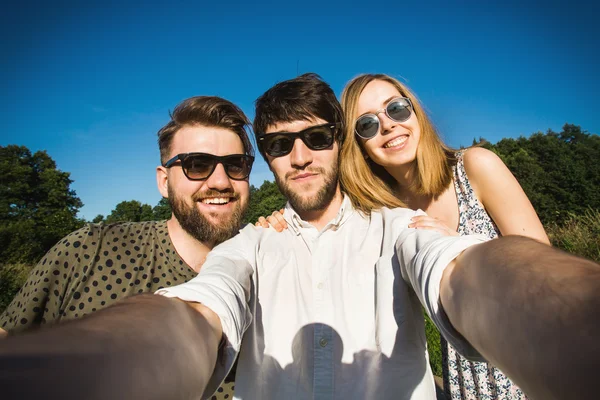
<point>224,285</point>
<point>423,257</point>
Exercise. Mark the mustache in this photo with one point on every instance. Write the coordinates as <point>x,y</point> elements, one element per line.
<point>199,196</point>
<point>311,170</point>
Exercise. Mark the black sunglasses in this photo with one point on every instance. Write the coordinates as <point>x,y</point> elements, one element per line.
<point>317,137</point>
<point>200,166</point>
<point>398,109</point>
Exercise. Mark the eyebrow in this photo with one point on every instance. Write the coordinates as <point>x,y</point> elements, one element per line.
<point>386,101</point>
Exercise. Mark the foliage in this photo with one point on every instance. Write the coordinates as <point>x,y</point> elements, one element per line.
<point>12,277</point>
<point>559,172</point>
<point>162,210</point>
<point>433,346</point>
<point>135,211</point>
<point>263,201</point>
<point>578,234</point>
<point>37,205</point>
<point>132,211</point>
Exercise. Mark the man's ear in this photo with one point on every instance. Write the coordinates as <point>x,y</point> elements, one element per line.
<point>162,181</point>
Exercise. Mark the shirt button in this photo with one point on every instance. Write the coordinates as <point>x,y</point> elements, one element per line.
<point>320,285</point>
<point>323,342</point>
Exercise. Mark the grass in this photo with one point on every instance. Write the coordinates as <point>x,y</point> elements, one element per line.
<point>579,234</point>
<point>12,277</point>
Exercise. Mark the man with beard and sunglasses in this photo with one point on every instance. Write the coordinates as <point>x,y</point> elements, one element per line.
<point>206,158</point>
<point>331,308</point>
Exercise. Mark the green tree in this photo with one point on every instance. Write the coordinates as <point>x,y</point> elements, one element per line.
<point>37,205</point>
<point>559,172</point>
<point>162,210</point>
<point>98,218</point>
<point>130,211</point>
<point>263,201</point>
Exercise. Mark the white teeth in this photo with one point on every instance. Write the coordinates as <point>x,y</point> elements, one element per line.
<point>216,200</point>
<point>395,142</point>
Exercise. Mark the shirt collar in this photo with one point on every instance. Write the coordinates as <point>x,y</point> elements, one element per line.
<point>296,223</point>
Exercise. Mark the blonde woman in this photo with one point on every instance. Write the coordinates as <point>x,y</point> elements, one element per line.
<point>392,156</point>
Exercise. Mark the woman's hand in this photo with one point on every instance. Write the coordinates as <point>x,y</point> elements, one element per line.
<point>275,220</point>
<point>427,222</point>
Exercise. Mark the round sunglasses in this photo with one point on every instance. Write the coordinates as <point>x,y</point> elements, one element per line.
<point>200,166</point>
<point>279,144</point>
<point>398,109</point>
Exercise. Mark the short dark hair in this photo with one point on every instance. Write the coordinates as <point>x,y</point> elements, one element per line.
<point>209,111</point>
<point>302,98</point>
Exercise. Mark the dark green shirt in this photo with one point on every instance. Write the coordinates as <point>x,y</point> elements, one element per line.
<point>93,268</point>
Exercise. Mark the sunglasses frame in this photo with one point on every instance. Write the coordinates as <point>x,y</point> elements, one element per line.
<point>223,160</point>
<point>300,134</point>
<point>375,115</point>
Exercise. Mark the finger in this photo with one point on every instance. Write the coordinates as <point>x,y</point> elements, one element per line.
<point>423,218</point>
<point>275,223</point>
<point>443,231</point>
<point>263,222</point>
<point>426,222</point>
<point>278,216</point>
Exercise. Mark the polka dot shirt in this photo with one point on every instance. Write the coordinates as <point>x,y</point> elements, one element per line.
<point>94,267</point>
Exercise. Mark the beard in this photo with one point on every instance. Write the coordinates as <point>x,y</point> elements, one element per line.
<point>198,225</point>
<point>320,200</point>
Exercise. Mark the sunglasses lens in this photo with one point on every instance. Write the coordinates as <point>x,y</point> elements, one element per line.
<point>238,167</point>
<point>198,166</point>
<point>278,145</point>
<point>367,126</point>
<point>319,138</point>
<point>399,110</point>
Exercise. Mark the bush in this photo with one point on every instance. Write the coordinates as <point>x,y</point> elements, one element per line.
<point>433,346</point>
<point>12,277</point>
<point>579,234</point>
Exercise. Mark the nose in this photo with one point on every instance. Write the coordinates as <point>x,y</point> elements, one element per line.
<point>386,122</point>
<point>300,156</point>
<point>219,180</point>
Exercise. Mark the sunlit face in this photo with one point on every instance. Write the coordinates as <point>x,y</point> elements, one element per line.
<point>308,178</point>
<point>395,145</point>
<point>210,210</point>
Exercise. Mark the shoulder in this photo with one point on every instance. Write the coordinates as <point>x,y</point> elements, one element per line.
<point>394,221</point>
<point>131,231</point>
<point>482,165</point>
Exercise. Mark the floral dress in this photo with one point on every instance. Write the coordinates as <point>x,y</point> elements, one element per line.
<point>465,379</point>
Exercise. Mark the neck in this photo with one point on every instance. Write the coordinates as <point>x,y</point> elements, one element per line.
<point>320,218</point>
<point>191,250</point>
<point>405,177</point>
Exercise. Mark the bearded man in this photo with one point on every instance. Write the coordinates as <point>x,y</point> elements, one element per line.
<point>206,158</point>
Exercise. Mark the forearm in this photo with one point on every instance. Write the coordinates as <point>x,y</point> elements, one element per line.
<point>531,310</point>
<point>147,347</point>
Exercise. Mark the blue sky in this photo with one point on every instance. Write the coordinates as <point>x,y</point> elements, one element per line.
<point>92,83</point>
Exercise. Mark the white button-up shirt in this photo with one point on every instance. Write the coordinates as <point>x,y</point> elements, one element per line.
<point>330,314</point>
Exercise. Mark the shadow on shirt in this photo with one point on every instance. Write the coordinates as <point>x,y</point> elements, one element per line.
<point>394,365</point>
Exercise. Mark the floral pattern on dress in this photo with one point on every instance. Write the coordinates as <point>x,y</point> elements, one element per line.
<point>465,379</point>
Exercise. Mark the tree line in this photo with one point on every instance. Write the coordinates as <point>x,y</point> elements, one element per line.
<point>559,172</point>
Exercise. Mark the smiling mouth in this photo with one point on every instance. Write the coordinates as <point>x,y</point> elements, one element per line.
<point>217,200</point>
<point>395,142</point>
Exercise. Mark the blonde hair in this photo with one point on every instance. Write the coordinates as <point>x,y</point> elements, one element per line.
<point>369,185</point>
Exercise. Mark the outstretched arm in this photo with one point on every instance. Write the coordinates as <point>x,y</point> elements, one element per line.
<point>146,347</point>
<point>531,310</point>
